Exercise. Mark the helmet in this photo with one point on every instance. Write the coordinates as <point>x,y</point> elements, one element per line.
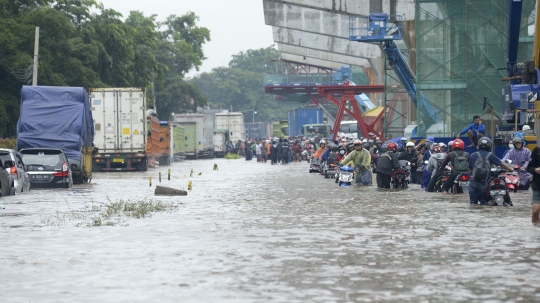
<point>410,144</point>
<point>458,143</point>
<point>404,139</point>
<point>518,140</point>
<point>442,144</point>
<point>436,148</point>
<point>276,138</point>
<point>357,141</point>
<point>334,148</point>
<point>451,143</point>
<point>322,142</point>
<point>525,127</point>
<point>307,141</point>
<point>430,139</point>
<point>378,142</point>
<point>370,141</point>
<point>392,146</point>
<point>350,146</point>
<point>485,143</point>
<point>364,141</point>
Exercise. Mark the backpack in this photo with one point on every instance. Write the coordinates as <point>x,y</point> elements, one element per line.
<point>439,164</point>
<point>461,163</point>
<point>481,169</point>
<point>332,157</point>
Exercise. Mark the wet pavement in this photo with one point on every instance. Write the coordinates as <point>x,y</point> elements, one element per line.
<point>252,232</point>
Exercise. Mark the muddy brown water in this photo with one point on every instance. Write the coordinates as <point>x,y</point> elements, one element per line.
<point>252,232</point>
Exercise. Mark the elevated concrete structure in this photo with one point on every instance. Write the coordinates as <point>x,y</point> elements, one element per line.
<point>322,55</point>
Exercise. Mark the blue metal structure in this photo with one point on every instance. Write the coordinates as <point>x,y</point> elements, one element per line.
<point>378,28</point>
<point>514,23</point>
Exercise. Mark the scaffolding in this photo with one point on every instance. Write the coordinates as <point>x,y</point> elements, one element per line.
<point>461,51</point>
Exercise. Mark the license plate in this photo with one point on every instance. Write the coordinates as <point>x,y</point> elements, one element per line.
<point>463,183</point>
<point>118,160</point>
<point>41,177</point>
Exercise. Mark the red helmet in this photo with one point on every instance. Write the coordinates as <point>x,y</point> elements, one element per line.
<point>458,143</point>
<point>392,146</point>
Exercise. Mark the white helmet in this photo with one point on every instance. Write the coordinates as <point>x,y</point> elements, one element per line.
<point>526,127</point>
<point>323,142</point>
<point>442,144</point>
<point>364,141</point>
<point>410,144</point>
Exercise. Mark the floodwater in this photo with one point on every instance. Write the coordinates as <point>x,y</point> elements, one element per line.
<point>252,232</point>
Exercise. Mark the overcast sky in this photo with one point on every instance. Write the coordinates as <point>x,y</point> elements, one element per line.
<point>235,25</point>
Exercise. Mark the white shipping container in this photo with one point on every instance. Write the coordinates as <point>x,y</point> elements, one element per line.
<point>234,122</point>
<point>119,119</point>
<point>219,143</point>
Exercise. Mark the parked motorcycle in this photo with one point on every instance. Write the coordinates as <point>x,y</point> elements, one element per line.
<point>346,176</point>
<point>497,190</point>
<point>401,176</point>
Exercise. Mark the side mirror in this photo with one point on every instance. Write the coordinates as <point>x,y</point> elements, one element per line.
<point>9,163</point>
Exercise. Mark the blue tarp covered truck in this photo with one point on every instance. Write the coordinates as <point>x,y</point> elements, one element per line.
<point>58,117</point>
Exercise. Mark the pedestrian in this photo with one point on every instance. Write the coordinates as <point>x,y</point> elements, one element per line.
<point>296,152</point>
<point>274,151</point>
<point>426,175</point>
<point>258,151</point>
<point>386,164</point>
<point>264,150</point>
<point>475,131</point>
<point>534,169</point>
<point>247,151</point>
<point>481,173</point>
<point>285,150</point>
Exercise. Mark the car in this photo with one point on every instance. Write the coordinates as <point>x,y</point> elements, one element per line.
<point>15,167</point>
<point>47,167</point>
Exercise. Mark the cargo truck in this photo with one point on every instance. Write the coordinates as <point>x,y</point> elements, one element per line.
<point>58,117</point>
<point>256,130</point>
<point>234,123</point>
<point>302,116</point>
<point>179,141</point>
<point>121,131</point>
<point>221,142</point>
<point>197,145</point>
<point>159,143</point>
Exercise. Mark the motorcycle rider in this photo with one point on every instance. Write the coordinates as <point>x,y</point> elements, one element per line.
<point>285,150</point>
<point>350,148</point>
<point>434,166</point>
<point>410,155</point>
<point>426,175</point>
<point>371,145</point>
<point>458,152</point>
<point>378,148</point>
<point>361,160</point>
<point>477,190</point>
<point>386,164</point>
<point>321,150</point>
<point>520,156</point>
<point>403,147</point>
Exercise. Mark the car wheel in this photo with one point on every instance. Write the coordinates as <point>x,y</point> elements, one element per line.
<point>12,191</point>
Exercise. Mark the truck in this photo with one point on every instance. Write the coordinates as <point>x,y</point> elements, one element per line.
<point>159,143</point>
<point>221,142</point>
<point>256,130</point>
<point>234,123</point>
<point>195,129</point>
<point>302,116</point>
<point>58,117</point>
<point>121,132</point>
<point>179,141</point>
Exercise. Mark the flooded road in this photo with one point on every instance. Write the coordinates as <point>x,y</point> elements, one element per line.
<point>253,232</point>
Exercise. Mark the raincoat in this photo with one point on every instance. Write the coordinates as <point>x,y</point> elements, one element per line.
<point>363,157</point>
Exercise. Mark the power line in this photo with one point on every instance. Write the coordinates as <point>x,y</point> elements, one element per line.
<point>21,74</point>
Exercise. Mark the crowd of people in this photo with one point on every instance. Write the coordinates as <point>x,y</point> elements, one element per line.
<point>428,160</point>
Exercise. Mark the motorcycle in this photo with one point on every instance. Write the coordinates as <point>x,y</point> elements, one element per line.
<point>307,155</point>
<point>314,165</point>
<point>442,178</point>
<point>461,183</point>
<point>346,176</point>
<point>330,171</point>
<point>497,190</point>
<point>511,178</point>
<point>401,176</point>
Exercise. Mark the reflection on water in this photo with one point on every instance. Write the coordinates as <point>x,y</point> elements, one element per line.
<point>251,232</point>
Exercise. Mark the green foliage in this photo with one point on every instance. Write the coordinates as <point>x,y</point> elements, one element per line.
<point>84,44</point>
<point>8,143</point>
<point>241,85</point>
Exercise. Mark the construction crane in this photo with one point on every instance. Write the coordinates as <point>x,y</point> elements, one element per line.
<point>385,29</point>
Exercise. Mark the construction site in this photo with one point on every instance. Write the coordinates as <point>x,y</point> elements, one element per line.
<point>425,67</point>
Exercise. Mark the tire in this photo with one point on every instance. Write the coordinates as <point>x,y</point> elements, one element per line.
<point>12,191</point>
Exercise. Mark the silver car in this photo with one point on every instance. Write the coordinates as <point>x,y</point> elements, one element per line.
<point>14,165</point>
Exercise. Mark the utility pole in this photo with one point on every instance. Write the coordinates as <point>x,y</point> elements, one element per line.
<point>36,56</point>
